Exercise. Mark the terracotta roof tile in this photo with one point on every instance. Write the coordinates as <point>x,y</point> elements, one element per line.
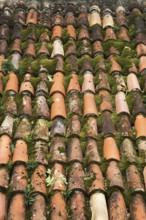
<point>77,205</point>
<point>72,110</point>
<point>117,206</point>
<point>19,178</point>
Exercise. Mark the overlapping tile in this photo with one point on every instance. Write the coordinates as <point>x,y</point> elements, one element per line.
<point>73,114</point>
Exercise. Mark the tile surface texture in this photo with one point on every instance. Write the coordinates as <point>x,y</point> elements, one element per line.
<point>72,110</point>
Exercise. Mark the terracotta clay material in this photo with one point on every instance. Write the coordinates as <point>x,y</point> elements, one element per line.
<point>20,151</point>
<point>30,50</point>
<point>88,84</point>
<point>90,105</point>
<point>58,106</point>
<point>58,174</point>
<point>114,176</point>
<point>123,34</point>
<point>97,48</point>
<point>19,178</point>
<point>83,33</point>
<point>137,207</point>
<point>41,150</point>
<point>59,64</point>
<point>23,129</point>
<point>109,34</point>
<point>74,126</point>
<point>16,47</point>
<point>92,130</point>
<point>57,32</point>
<point>108,21</point>
<point>92,152</point>
<point>82,19</point>
<point>98,182</point>
<point>41,130</point>
<point>76,175</point>
<point>140,126</point>
<point>73,84</point>
<point>12,84</point>
<point>74,103</point>
<point>132,82</point>
<point>3,206</point>
<point>121,17</point>
<point>74,152</point>
<point>32,17</point>
<point>77,206</point>
<point>142,147</point>
<point>7,125</point>
<point>121,104</point>
<point>142,65</point>
<point>58,127</point>
<point>73,62</point>
<point>120,83</point>
<point>42,108</point>
<point>140,38</point>
<point>26,87</point>
<point>17,208</point>
<point>5,151</point>
<point>113,51</point>
<point>38,180</point>
<point>43,50</point>
<point>19,16</point>
<point>57,19</point>
<point>2,58</point>
<point>139,25</point>
<point>44,37</point>
<point>134,179</point>
<point>70,49</point>
<point>106,101</point>
<point>27,105</point>
<point>85,49</point>
<point>70,19</point>
<point>42,87</point>
<point>58,150</point>
<point>27,77</point>
<point>124,125</point>
<point>58,49</point>
<point>11,106</point>
<point>16,59</point>
<point>46,19</point>
<point>133,69</point>
<point>3,46</point>
<point>138,106</point>
<point>107,127</point>
<point>115,66</point>
<point>98,211</point>
<point>57,83</point>
<point>4,31</point>
<point>103,82</point>
<point>110,149</point>
<point>38,208</point>
<point>71,31</point>
<point>94,18</point>
<point>31,38</point>
<point>4,178</point>
<point>96,34</point>
<point>86,66</point>
<point>58,207</point>
<point>127,150</point>
<point>141,50</point>
<point>117,206</point>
